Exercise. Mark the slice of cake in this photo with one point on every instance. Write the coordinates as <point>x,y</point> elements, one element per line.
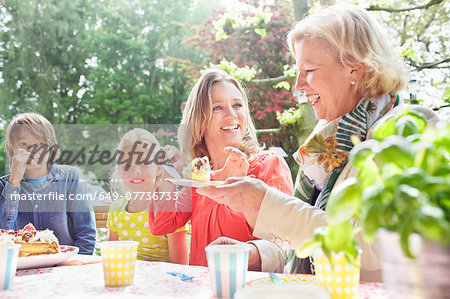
<point>6,239</point>
<point>201,169</point>
<point>34,242</point>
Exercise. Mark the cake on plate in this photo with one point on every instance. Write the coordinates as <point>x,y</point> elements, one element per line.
<point>32,241</point>
<point>201,169</point>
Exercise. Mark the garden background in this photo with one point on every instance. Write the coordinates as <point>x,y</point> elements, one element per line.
<point>87,62</point>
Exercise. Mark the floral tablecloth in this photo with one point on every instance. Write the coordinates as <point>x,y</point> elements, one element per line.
<point>151,281</point>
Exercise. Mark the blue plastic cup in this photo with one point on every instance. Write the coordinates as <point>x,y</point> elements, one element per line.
<point>227,268</point>
<point>9,255</point>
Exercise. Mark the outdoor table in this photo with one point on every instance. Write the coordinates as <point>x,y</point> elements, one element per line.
<point>151,280</point>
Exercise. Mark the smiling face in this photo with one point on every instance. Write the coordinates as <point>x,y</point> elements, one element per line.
<point>138,177</point>
<point>228,118</point>
<point>325,81</point>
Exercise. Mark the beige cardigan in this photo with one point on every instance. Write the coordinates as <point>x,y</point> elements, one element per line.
<point>289,220</point>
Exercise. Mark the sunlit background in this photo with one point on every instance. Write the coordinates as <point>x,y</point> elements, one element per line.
<point>134,62</point>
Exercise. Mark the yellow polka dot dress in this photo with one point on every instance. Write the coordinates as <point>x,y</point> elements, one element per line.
<point>134,227</point>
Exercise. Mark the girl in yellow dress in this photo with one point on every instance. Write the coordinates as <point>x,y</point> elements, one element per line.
<point>136,182</point>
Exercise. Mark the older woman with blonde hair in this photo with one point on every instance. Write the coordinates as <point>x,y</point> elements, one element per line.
<point>216,123</point>
<point>350,73</point>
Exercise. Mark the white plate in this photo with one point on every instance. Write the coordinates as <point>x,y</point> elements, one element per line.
<point>292,291</point>
<point>47,260</point>
<point>193,184</point>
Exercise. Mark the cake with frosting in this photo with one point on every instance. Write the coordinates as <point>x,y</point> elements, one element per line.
<point>32,241</point>
<point>6,239</point>
<point>201,169</point>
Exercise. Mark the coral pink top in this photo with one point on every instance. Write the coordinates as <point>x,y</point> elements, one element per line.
<point>211,220</point>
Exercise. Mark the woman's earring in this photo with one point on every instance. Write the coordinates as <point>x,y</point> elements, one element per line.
<point>352,82</point>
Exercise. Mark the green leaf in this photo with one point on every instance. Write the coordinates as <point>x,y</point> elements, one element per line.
<point>344,201</point>
<point>308,248</point>
<point>289,71</point>
<point>405,230</point>
<point>431,222</point>
<point>241,73</point>
<point>385,129</point>
<point>319,233</point>
<point>406,126</point>
<point>368,174</point>
<point>395,150</point>
<point>440,135</point>
<point>420,120</point>
<point>407,198</point>
<point>362,152</point>
<point>283,84</point>
<point>352,252</point>
<point>403,123</point>
<point>327,253</point>
<point>370,220</point>
<point>261,32</point>
<point>339,236</point>
<point>407,192</point>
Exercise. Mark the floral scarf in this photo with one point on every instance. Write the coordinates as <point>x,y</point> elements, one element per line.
<point>324,154</point>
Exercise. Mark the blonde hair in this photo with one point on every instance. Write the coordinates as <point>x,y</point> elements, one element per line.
<point>129,139</point>
<point>356,37</point>
<point>36,125</point>
<point>198,113</point>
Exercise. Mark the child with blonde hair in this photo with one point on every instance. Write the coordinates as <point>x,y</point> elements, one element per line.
<point>27,194</point>
<point>137,178</point>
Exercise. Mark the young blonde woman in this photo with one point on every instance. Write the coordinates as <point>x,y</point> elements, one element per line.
<point>216,123</point>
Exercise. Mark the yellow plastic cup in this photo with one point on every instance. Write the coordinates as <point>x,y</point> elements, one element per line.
<point>119,259</point>
<point>342,282</point>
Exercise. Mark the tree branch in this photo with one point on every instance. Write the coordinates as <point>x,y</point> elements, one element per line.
<point>267,82</point>
<point>270,25</point>
<point>392,9</point>
<point>273,81</point>
<point>444,106</point>
<point>268,131</point>
<point>429,65</point>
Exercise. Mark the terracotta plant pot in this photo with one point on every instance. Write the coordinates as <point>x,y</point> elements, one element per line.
<point>427,276</point>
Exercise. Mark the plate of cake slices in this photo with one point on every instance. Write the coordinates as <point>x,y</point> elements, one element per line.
<point>47,260</point>
<point>38,248</point>
<point>193,183</point>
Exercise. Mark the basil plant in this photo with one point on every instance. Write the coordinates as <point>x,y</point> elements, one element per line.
<point>402,185</point>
